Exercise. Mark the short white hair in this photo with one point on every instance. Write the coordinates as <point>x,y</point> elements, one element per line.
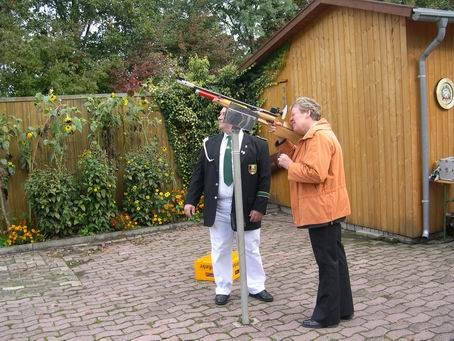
<point>306,103</point>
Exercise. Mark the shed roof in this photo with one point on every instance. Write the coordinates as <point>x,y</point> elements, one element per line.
<point>307,14</point>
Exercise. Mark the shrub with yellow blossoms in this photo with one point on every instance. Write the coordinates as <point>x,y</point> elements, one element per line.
<point>168,207</point>
<point>123,222</point>
<point>147,173</point>
<point>21,234</point>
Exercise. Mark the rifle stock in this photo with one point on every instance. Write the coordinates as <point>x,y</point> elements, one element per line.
<point>263,116</point>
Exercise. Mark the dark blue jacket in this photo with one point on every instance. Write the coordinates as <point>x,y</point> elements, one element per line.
<point>255,179</point>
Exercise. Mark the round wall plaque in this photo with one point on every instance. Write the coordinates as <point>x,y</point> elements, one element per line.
<point>445,93</point>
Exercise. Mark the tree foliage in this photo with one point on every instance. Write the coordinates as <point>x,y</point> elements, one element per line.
<point>94,46</point>
<point>250,21</point>
<point>99,46</point>
<point>439,4</point>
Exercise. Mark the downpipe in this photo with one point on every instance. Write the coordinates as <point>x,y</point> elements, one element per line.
<point>441,25</point>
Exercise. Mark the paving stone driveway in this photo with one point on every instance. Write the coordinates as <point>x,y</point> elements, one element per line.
<point>143,288</point>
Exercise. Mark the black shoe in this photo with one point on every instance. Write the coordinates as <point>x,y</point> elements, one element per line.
<point>263,296</point>
<point>347,317</point>
<point>316,325</point>
<point>221,299</point>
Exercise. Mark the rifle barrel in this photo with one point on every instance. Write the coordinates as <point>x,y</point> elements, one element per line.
<point>211,95</point>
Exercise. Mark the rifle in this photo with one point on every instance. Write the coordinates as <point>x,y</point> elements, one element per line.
<point>283,130</point>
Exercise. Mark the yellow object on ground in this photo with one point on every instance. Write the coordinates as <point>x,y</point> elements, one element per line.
<point>203,269</point>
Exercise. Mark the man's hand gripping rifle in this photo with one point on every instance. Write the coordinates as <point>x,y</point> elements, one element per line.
<point>263,116</point>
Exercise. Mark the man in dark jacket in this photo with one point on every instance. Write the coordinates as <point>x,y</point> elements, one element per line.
<point>213,176</point>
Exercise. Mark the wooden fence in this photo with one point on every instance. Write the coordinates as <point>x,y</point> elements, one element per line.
<point>24,109</point>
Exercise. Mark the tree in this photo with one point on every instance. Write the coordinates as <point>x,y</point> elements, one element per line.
<point>251,21</point>
<point>184,30</point>
<point>439,4</point>
<point>46,46</point>
<point>83,46</point>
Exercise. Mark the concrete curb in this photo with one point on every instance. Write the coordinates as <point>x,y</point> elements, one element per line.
<point>94,239</point>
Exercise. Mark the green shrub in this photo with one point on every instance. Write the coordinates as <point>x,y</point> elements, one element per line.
<point>167,207</point>
<point>96,181</point>
<point>146,171</point>
<point>3,240</point>
<point>189,118</point>
<point>51,195</point>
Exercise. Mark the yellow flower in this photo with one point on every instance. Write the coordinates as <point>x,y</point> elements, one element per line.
<point>68,128</point>
<point>113,95</point>
<point>167,194</point>
<point>125,101</point>
<point>52,98</point>
<point>147,197</point>
<point>29,135</point>
<point>68,120</point>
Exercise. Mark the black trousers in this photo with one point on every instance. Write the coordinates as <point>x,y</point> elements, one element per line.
<point>334,296</point>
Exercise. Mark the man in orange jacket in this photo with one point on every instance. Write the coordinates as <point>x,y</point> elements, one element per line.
<point>319,201</point>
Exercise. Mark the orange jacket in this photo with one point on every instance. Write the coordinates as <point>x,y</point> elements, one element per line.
<point>318,193</point>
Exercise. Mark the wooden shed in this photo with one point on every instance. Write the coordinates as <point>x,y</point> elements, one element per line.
<point>361,61</point>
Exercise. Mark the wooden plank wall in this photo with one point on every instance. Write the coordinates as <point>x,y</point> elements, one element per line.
<point>24,109</point>
<point>439,64</point>
<point>354,62</point>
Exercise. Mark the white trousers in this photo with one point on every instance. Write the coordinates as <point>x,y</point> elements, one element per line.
<point>222,238</point>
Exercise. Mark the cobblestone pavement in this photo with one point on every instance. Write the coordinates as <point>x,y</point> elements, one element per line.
<point>143,289</point>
